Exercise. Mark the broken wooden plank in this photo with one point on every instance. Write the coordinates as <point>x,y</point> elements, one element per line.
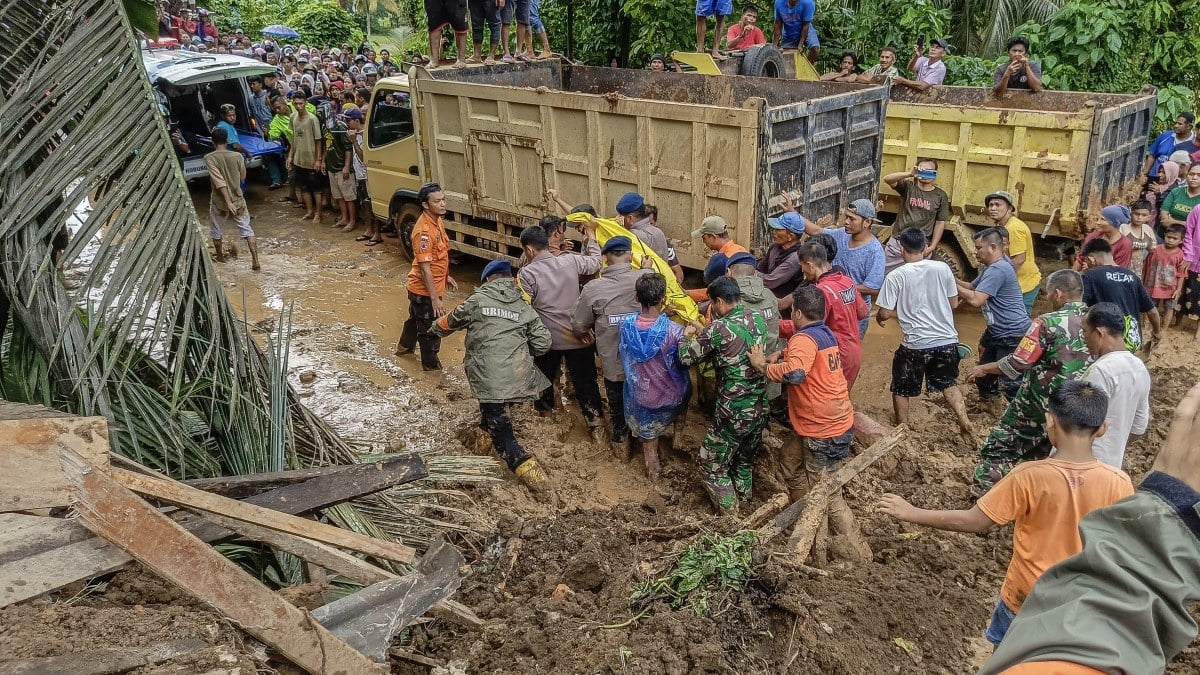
<point>248,485</point>
<point>23,535</point>
<point>30,474</point>
<point>342,486</point>
<point>367,620</point>
<point>24,411</point>
<point>167,490</point>
<point>103,661</point>
<point>837,479</point>
<point>768,510</point>
<point>114,512</point>
<point>419,659</point>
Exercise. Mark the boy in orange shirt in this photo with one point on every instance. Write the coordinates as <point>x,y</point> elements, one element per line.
<point>1047,498</point>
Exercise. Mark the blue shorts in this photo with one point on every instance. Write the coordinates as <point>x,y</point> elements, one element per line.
<point>535,17</point>
<point>522,11</point>
<point>714,8</point>
<point>1002,618</point>
<point>792,40</point>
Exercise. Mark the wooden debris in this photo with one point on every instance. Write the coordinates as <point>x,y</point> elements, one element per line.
<point>768,510</point>
<point>248,485</point>
<point>367,620</point>
<point>103,661</point>
<point>117,514</point>
<point>415,658</point>
<point>30,476</point>
<point>39,554</point>
<point>174,492</point>
<point>342,486</point>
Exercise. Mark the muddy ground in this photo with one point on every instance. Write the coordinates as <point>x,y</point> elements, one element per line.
<point>553,579</point>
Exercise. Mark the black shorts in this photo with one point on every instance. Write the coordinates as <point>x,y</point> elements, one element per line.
<point>363,197</point>
<point>442,12</point>
<point>937,367</point>
<point>310,180</point>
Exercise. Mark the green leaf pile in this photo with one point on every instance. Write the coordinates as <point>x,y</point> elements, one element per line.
<point>712,563</point>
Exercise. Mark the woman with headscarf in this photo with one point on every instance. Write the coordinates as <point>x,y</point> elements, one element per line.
<point>1167,179</point>
<point>1112,219</point>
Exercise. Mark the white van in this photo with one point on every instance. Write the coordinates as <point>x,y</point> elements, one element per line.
<point>193,86</point>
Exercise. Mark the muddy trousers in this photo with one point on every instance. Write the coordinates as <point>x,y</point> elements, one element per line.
<point>1019,436</point>
<point>499,426</point>
<point>992,349</point>
<point>615,392</point>
<point>581,370</point>
<point>727,458</point>
<point>417,330</point>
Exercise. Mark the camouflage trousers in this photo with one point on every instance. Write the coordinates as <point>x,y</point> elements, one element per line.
<point>1019,436</point>
<point>727,458</point>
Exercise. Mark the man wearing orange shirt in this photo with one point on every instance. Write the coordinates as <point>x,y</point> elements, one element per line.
<point>427,279</point>
<point>818,398</point>
<point>714,232</point>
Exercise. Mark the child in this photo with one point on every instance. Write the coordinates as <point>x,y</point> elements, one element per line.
<point>1047,498</point>
<point>1140,234</point>
<point>1165,271</point>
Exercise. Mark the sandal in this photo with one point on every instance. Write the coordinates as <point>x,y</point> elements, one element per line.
<point>372,242</point>
<point>361,237</point>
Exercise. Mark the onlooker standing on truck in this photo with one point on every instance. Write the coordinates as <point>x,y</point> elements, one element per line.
<point>998,293</point>
<point>884,69</point>
<point>793,26</point>
<point>1002,211</point>
<point>226,171</point>
<point>746,33</point>
<point>427,279</point>
<point>1180,201</point>
<point>496,15</point>
<point>440,14</point>
<point>1019,72</point>
<point>721,9</point>
<point>923,205</point>
<point>307,154</point>
<point>1112,219</point>
<point>1162,147</point>
<point>930,71</point>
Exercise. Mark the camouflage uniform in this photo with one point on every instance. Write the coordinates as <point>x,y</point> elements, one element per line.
<point>1051,352</point>
<point>740,415</point>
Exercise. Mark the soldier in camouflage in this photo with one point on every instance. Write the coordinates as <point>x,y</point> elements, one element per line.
<point>740,416</point>
<point>1051,352</point>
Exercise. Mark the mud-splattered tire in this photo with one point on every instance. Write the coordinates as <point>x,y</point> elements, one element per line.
<point>949,254</point>
<point>404,220</point>
<point>763,61</point>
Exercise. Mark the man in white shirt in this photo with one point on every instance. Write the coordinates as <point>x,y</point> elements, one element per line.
<point>922,295</point>
<point>1119,374</point>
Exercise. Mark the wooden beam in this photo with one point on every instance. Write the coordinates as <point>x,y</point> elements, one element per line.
<point>342,486</point>
<point>248,485</point>
<point>177,493</point>
<point>836,480</point>
<point>117,514</point>
<point>103,661</point>
<point>30,474</point>
<point>368,619</point>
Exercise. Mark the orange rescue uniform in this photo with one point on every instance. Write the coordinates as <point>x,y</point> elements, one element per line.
<point>430,244</point>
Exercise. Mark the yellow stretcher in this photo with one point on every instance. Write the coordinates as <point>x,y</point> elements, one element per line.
<point>683,307</point>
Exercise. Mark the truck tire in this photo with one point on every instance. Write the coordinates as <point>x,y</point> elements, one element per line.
<point>948,253</point>
<point>404,220</point>
<point>763,61</point>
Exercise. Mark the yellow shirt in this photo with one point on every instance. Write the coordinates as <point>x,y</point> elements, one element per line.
<point>1020,240</point>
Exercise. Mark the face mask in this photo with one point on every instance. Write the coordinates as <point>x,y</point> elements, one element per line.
<point>927,174</point>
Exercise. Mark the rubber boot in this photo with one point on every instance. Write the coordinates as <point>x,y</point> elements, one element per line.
<point>253,246</point>
<point>532,474</point>
<point>218,252</point>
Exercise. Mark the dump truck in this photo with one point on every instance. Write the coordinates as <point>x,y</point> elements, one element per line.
<point>497,137</point>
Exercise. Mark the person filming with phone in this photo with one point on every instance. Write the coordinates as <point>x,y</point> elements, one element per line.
<point>1019,72</point>
<point>923,205</point>
<point>929,70</point>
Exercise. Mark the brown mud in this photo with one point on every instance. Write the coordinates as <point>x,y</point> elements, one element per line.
<point>553,577</point>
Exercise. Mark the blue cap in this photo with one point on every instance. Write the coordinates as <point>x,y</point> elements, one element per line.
<point>629,202</point>
<point>617,244</point>
<point>742,258</point>
<point>717,265</point>
<point>790,221</point>
<point>496,267</point>
<point>1116,214</point>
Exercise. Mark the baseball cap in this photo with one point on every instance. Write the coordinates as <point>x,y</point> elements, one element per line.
<point>496,267</point>
<point>790,221</point>
<point>864,208</point>
<point>618,243</point>
<point>1002,194</point>
<point>743,258</point>
<point>711,225</point>
<point>353,114</point>
<point>629,202</point>
<point>941,43</point>
<point>1181,157</point>
<point>658,57</point>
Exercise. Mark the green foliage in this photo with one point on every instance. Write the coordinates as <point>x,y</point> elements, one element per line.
<point>874,26</point>
<point>324,23</point>
<point>142,16</point>
<point>970,71</point>
<point>249,15</point>
<point>712,563</point>
<point>598,26</point>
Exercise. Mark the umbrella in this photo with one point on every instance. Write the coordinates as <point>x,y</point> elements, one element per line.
<point>280,30</point>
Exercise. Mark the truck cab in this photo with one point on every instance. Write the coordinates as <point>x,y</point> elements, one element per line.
<point>392,157</point>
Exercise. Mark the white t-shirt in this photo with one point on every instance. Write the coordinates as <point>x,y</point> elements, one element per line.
<point>1125,379</point>
<point>360,169</point>
<point>920,293</point>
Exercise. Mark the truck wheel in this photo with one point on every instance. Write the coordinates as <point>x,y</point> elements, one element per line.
<point>404,220</point>
<point>763,61</point>
<point>949,254</point>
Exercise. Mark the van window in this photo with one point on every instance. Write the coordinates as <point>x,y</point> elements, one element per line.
<point>391,118</point>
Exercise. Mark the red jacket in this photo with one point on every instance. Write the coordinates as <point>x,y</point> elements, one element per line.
<point>844,308</point>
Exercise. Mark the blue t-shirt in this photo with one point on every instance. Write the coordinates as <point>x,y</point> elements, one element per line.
<point>233,134</point>
<point>864,264</point>
<point>1161,149</point>
<point>794,17</point>
<point>1004,310</point>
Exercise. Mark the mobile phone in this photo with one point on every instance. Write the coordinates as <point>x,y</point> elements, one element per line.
<point>921,41</point>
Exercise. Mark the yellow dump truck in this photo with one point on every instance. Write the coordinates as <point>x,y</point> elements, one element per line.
<point>496,138</point>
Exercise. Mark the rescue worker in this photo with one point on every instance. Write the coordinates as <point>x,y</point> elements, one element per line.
<point>714,233</point>
<point>552,284</point>
<point>758,299</point>
<point>780,269</point>
<point>603,304</point>
<point>634,216</point>
<point>844,307</point>
<point>427,278</point>
<point>740,414</point>
<point>504,335</point>
<point>1051,351</point>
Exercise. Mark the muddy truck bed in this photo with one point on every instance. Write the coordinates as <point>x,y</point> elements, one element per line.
<point>497,138</point>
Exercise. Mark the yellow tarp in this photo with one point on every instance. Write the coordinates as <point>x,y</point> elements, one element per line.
<point>644,257</point>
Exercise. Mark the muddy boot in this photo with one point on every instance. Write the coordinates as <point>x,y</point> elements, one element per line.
<point>598,436</point>
<point>621,449</point>
<point>842,522</point>
<point>532,474</point>
<point>218,252</point>
<point>253,247</point>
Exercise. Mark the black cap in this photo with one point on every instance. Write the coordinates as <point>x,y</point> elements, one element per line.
<point>941,43</point>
